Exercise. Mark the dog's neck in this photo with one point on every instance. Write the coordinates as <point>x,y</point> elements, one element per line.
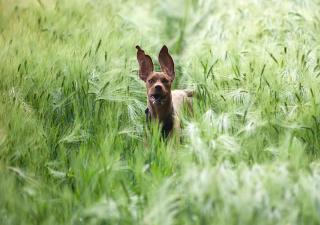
<point>163,113</point>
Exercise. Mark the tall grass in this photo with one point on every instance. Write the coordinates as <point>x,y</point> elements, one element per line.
<point>73,144</point>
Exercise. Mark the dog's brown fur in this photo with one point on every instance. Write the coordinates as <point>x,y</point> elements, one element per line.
<point>163,104</point>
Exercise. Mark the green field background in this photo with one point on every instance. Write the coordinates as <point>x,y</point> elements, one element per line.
<point>73,144</point>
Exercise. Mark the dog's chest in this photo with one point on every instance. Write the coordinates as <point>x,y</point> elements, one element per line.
<point>166,126</point>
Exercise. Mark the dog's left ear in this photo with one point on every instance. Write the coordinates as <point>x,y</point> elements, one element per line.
<point>166,62</point>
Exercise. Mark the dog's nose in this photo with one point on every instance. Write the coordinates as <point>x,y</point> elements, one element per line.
<point>158,87</point>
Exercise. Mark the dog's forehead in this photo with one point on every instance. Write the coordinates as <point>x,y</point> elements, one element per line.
<point>158,75</point>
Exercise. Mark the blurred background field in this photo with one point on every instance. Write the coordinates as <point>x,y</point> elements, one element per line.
<point>73,144</point>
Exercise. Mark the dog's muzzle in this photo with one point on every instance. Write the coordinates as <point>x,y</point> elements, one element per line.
<point>157,98</point>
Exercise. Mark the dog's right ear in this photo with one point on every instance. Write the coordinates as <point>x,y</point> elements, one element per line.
<point>145,64</point>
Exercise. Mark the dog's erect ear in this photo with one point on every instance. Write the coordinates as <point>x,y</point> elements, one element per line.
<point>145,64</point>
<point>166,62</point>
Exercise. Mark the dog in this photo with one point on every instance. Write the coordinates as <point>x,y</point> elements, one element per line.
<point>163,103</point>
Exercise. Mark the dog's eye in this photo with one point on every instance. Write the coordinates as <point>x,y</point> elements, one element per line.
<point>164,81</point>
<point>150,81</point>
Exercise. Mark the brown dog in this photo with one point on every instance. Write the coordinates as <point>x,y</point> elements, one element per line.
<point>163,104</point>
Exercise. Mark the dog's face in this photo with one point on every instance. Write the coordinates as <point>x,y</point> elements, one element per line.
<point>158,87</point>
<point>158,83</point>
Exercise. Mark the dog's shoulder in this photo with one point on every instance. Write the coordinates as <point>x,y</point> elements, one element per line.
<point>179,98</point>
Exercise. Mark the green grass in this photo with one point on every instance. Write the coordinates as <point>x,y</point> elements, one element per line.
<point>73,144</point>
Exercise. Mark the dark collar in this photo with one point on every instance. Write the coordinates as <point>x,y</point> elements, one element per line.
<point>148,115</point>
<point>167,125</point>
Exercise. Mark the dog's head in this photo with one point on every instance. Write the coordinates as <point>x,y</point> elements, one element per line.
<point>158,83</point>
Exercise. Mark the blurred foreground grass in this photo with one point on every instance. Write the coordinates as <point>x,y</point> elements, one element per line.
<point>72,139</point>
